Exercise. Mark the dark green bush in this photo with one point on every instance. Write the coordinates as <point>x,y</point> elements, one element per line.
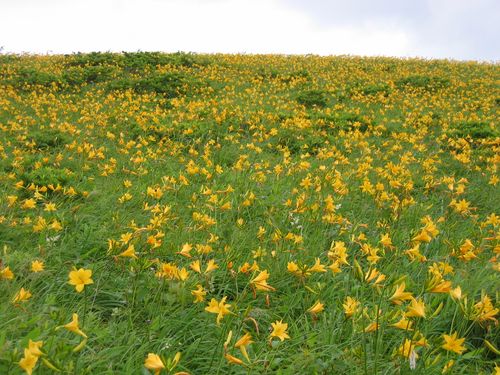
<point>33,77</point>
<point>91,74</point>
<point>376,89</point>
<point>473,129</point>
<point>139,61</point>
<point>49,138</point>
<point>169,85</point>
<point>46,175</point>
<point>350,121</point>
<point>422,82</point>
<point>312,98</point>
<point>94,59</point>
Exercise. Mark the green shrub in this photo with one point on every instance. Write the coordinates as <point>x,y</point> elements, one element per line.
<point>169,85</point>
<point>139,61</point>
<point>422,82</point>
<point>32,77</point>
<point>94,59</point>
<point>49,138</point>
<point>46,175</point>
<point>312,98</point>
<point>376,89</point>
<point>473,129</point>
<point>91,74</point>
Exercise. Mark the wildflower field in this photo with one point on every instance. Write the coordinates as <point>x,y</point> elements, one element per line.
<point>248,214</point>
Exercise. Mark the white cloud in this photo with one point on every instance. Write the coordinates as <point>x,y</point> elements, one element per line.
<point>228,26</point>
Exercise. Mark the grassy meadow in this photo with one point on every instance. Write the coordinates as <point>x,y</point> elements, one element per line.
<point>248,214</point>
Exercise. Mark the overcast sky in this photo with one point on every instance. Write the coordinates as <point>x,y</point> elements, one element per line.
<point>456,29</point>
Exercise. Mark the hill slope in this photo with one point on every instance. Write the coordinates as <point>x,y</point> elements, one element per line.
<point>341,211</point>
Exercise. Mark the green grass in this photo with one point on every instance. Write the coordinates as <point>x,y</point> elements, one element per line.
<point>258,124</point>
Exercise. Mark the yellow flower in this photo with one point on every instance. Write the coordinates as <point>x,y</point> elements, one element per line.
<point>129,252</point>
<point>28,362</point>
<point>6,274</point>
<point>259,282</point>
<point>350,306</point>
<point>400,295</point>
<point>154,362</point>
<point>448,366</point>
<point>49,207</point>
<point>79,278</point>
<point>423,236</point>
<point>232,359</point>
<point>186,248</point>
<point>220,308</point>
<point>199,294</point>
<point>34,347</point>
<point>195,266</point>
<point>385,240</point>
<point>404,324</point>
<point>442,287</point>
<point>484,310</point>
<point>316,308</point>
<point>317,267</point>
<point>279,330</point>
<point>416,309</point>
<point>453,344</point>
<point>29,204</point>
<point>37,266</point>
<point>373,326</point>
<point>242,343</point>
<point>292,267</point>
<point>211,266</point>
<point>183,274</point>
<point>74,327</point>
<point>456,293</point>
<point>407,349</point>
<point>22,296</point>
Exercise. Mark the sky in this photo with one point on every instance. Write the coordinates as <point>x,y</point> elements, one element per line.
<point>451,29</point>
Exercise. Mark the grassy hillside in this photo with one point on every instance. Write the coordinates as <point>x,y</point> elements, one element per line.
<point>257,214</point>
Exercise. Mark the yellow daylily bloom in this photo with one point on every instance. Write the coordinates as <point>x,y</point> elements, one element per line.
<point>416,309</point>
<point>129,252</point>
<point>400,295</point>
<point>37,266</point>
<point>154,362</point>
<point>22,296</point>
<point>279,330</point>
<point>316,308</point>
<point>220,308</point>
<point>259,282</point>
<point>28,362</point>
<point>73,326</point>
<point>453,344</point>
<point>199,294</point>
<point>79,278</point>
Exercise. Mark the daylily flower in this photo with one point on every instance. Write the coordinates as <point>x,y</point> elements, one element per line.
<point>79,278</point>
<point>279,330</point>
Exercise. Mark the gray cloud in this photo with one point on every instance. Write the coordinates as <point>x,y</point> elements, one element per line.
<point>459,29</point>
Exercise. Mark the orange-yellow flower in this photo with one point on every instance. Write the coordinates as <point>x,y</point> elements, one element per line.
<point>416,309</point>
<point>279,330</point>
<point>316,308</point>
<point>79,278</point>
<point>22,296</point>
<point>453,344</point>
<point>220,308</point>
<point>74,327</point>
<point>259,282</point>
<point>37,266</point>
<point>154,362</point>
<point>400,295</point>
<point>199,294</point>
